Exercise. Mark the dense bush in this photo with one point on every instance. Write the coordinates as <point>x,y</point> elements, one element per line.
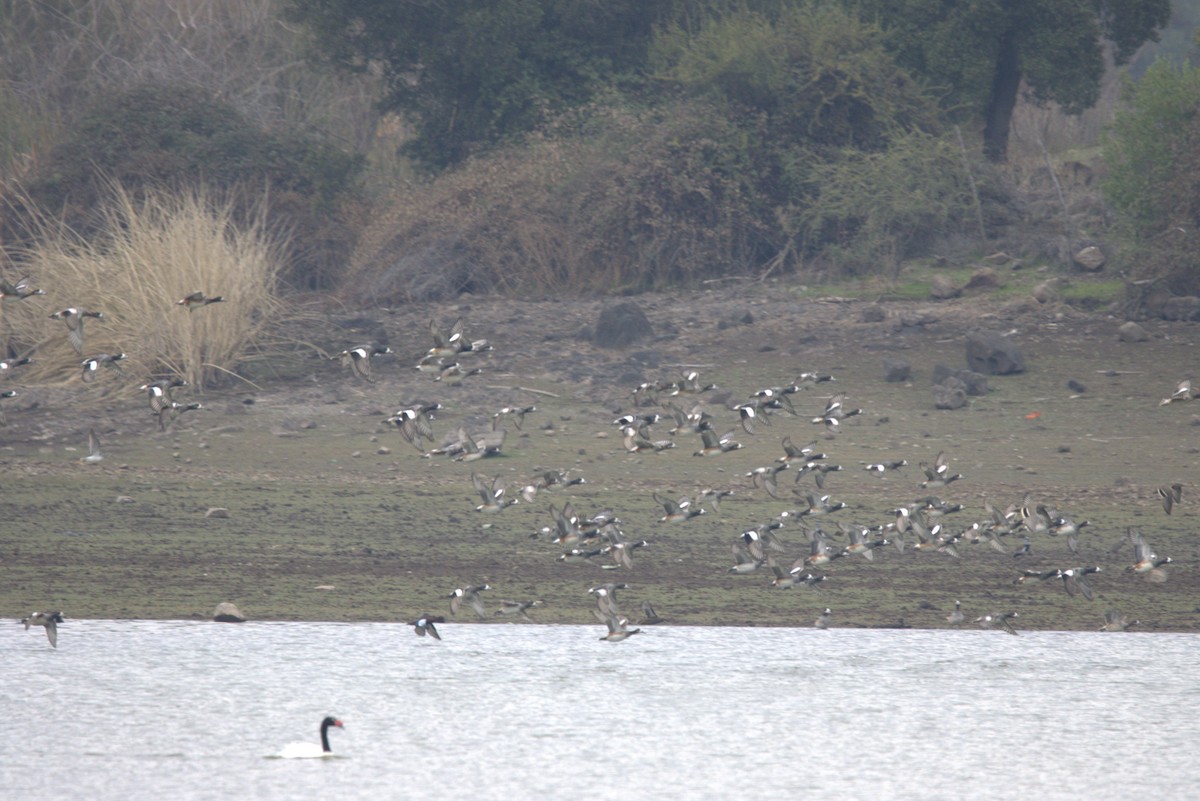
<point>636,201</point>
<point>845,145</point>
<point>156,135</point>
<point>1153,156</point>
<point>771,140</point>
<point>873,209</point>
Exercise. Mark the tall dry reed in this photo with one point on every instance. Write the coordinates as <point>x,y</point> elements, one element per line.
<point>157,248</point>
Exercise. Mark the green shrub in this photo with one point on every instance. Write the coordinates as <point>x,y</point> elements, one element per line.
<point>843,155</point>
<point>1145,143</point>
<point>1153,183</point>
<point>887,205</point>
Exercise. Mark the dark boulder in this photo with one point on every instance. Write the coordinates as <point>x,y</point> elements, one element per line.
<point>992,353</point>
<point>621,326</point>
<point>971,382</point>
<point>896,370</point>
<point>1186,307</point>
<point>873,314</point>
<point>949,397</point>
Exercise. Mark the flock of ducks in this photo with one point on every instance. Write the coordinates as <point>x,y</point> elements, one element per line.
<point>677,405</point>
<point>159,393</point>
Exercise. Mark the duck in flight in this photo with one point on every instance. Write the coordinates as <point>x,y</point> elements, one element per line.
<point>48,620</point>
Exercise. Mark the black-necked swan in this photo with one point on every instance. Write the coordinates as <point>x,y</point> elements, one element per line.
<point>307,750</point>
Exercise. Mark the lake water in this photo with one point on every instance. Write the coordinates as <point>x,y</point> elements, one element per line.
<point>135,710</point>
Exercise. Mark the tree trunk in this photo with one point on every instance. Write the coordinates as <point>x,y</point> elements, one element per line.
<point>1002,99</point>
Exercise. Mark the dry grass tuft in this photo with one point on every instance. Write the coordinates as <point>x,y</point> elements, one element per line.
<point>157,249</point>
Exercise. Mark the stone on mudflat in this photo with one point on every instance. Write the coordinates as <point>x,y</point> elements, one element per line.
<point>1047,291</point>
<point>942,288</point>
<point>1132,332</point>
<point>948,397</point>
<point>621,326</point>
<point>1090,259</point>
<point>896,370</point>
<point>228,613</point>
<point>873,314</point>
<point>993,353</point>
<point>983,278</point>
<point>970,381</point>
<point>1185,307</point>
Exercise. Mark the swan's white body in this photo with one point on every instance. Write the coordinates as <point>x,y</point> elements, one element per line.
<point>302,750</point>
<point>306,750</point>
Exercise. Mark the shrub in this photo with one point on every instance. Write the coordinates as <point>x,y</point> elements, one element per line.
<point>1153,181</point>
<point>626,201</point>
<point>155,249</point>
<point>160,136</point>
<point>886,205</point>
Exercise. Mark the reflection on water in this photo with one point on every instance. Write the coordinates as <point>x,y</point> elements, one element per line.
<point>155,710</point>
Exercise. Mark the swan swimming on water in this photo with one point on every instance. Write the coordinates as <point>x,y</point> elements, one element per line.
<point>308,750</point>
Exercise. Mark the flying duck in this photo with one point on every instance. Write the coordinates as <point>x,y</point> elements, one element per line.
<point>74,318</point>
<point>649,616</point>
<point>169,413</point>
<point>415,423</point>
<point>879,468</point>
<point>455,372</point>
<point>492,494</point>
<point>677,511</point>
<point>1073,580</point>
<point>358,360</point>
<point>91,367</point>
<point>450,343</point>
<point>469,595</point>
<point>425,625</point>
<point>1115,621</point>
<point>197,299</point>
<point>14,361</point>
<point>939,474</point>
<point>819,505</point>
<point>713,445</point>
<point>1146,561</point>
<point>517,608</point>
<point>49,620</point>
<point>835,412</point>
<point>606,599</point>
<point>999,621</point>
<point>516,412</point>
<point>618,630</point>
<point>766,478</point>
<point>1171,496</point>
<point>791,453</point>
<point>161,393</point>
<point>19,290</point>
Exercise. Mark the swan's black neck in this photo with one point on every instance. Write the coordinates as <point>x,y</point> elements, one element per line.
<point>325,737</point>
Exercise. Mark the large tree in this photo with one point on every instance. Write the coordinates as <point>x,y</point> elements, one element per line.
<point>468,73</point>
<point>981,52</point>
